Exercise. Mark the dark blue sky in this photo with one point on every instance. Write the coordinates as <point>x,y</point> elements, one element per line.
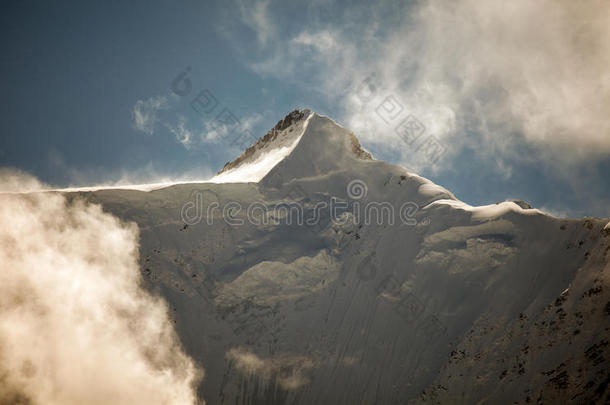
<point>72,74</point>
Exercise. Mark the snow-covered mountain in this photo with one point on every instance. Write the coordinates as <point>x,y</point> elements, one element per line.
<point>307,272</point>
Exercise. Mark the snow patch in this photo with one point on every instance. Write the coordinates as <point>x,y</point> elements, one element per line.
<point>270,282</point>
<point>256,170</point>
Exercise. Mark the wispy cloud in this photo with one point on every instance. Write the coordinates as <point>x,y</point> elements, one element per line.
<point>539,69</point>
<point>289,371</point>
<point>255,15</point>
<point>218,126</point>
<point>144,114</point>
<point>183,134</point>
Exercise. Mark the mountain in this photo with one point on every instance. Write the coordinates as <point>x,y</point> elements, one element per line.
<point>306,272</point>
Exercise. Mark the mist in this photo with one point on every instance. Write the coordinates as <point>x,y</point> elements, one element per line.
<point>76,326</point>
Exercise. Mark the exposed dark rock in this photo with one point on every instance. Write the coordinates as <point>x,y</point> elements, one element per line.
<point>522,204</point>
<point>292,117</point>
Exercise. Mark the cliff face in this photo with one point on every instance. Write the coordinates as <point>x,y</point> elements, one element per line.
<point>401,294</point>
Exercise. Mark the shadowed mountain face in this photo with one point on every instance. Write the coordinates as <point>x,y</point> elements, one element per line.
<point>332,278</point>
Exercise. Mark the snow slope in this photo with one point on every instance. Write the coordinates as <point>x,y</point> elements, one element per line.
<point>452,304</point>
<point>264,155</point>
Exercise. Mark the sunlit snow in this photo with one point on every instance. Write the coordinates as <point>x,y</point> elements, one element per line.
<point>485,212</point>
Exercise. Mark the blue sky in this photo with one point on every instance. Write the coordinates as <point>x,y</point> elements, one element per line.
<point>518,109</point>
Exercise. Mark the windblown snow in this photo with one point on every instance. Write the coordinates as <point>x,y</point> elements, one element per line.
<point>250,170</point>
<point>266,158</point>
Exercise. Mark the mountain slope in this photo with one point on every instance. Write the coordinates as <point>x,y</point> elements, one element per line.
<point>325,276</point>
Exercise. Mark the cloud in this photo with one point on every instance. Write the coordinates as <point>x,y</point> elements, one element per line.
<point>489,76</point>
<point>540,69</point>
<point>289,371</point>
<point>255,15</point>
<point>239,134</point>
<point>223,127</point>
<point>181,132</point>
<point>17,181</point>
<point>75,324</point>
<point>215,131</point>
<point>144,113</point>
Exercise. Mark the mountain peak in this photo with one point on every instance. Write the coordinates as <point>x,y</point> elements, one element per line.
<point>330,142</point>
<point>290,119</point>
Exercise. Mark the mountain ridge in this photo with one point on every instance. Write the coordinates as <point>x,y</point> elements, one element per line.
<point>269,137</point>
<point>292,129</point>
<point>456,304</point>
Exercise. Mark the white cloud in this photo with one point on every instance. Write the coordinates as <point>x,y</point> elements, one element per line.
<point>509,72</point>
<point>144,113</point>
<point>538,68</point>
<point>214,132</point>
<point>241,134</point>
<point>17,181</point>
<point>255,15</point>
<point>324,41</point>
<point>226,128</point>
<point>181,132</point>
<point>75,325</point>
